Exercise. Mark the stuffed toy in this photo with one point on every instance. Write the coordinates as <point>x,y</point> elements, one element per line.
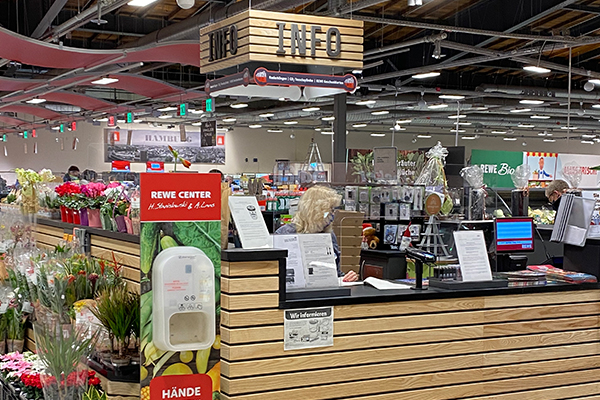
<point>369,241</point>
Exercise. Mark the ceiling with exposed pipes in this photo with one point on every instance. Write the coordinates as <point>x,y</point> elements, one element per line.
<point>430,66</point>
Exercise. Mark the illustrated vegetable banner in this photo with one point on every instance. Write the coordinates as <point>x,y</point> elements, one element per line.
<point>185,217</point>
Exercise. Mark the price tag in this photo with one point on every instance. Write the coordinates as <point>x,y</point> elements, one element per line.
<point>27,307</point>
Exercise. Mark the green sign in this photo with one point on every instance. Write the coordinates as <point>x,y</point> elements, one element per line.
<point>182,110</point>
<point>25,134</point>
<point>129,117</point>
<point>210,106</point>
<point>497,166</point>
<point>4,138</point>
<point>62,128</point>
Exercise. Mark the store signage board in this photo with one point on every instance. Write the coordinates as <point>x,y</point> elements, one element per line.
<point>208,133</point>
<point>385,163</point>
<point>542,167</point>
<point>227,82</point>
<point>249,222</point>
<point>264,77</point>
<point>583,162</point>
<point>497,166</point>
<point>472,255</point>
<point>265,36</point>
<point>181,387</point>
<point>308,328</point>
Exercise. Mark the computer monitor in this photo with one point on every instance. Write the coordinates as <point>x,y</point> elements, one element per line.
<point>514,235</point>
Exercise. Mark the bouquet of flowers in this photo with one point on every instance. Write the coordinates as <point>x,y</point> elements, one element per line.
<point>94,194</point>
<point>70,195</point>
<point>29,180</point>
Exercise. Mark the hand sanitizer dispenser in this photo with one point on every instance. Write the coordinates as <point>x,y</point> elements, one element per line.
<point>183,305</point>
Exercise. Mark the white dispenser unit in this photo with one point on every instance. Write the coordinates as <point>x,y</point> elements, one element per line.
<point>183,304</point>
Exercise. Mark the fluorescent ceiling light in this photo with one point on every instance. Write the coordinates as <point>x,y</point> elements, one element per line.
<point>537,70</point>
<point>357,71</point>
<point>397,128</point>
<point>197,111</point>
<point>165,116</point>
<point>595,105</point>
<point>330,118</point>
<point>377,134</point>
<point>464,123</point>
<point>238,105</point>
<point>166,109</point>
<point>326,132</point>
<point>274,130</point>
<point>365,102</point>
<point>55,128</point>
<point>510,139</point>
<point>311,109</point>
<point>426,75</point>
<point>36,101</point>
<point>550,140</point>
<point>197,124</point>
<point>526,126</point>
<point>266,115</point>
<point>436,106</point>
<point>424,136</point>
<point>229,119</point>
<point>520,110</point>
<point>572,128</point>
<point>469,137</point>
<point>137,121</point>
<point>140,3</point>
<point>318,129</point>
<point>451,97</point>
<point>120,121</point>
<point>457,130</point>
<point>457,116</point>
<point>533,102</point>
<point>499,132</point>
<point>594,81</point>
<point>404,121</point>
<point>105,81</point>
<point>587,141</point>
<point>282,99</point>
<point>255,126</point>
<point>549,134</point>
<point>479,108</point>
<point>382,112</point>
<point>222,130</point>
<point>104,119</point>
<point>588,136</point>
<point>359,125</point>
<point>290,122</point>
<point>540,117</point>
<point>542,134</point>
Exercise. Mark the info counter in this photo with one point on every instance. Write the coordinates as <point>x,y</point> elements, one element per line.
<point>502,343</point>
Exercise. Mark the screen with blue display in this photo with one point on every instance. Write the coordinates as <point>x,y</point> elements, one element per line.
<point>514,235</point>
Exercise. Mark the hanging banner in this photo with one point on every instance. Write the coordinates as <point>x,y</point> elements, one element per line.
<point>208,132</point>
<point>264,77</point>
<point>497,166</point>
<point>542,167</point>
<point>589,177</point>
<point>180,263</point>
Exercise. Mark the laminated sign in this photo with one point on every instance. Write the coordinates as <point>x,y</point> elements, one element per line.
<point>186,387</point>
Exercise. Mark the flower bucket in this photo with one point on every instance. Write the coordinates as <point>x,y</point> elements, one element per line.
<point>129,225</point>
<point>76,217</point>
<point>83,215</point>
<point>63,214</point>
<point>94,218</point>
<point>121,225</point>
<point>15,345</point>
<point>106,222</point>
<point>69,216</point>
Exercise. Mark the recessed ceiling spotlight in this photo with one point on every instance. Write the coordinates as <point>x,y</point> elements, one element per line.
<point>36,101</point>
<point>424,136</point>
<point>520,110</point>
<point>437,106</point>
<point>329,118</point>
<point>167,109</point>
<point>381,112</point>
<point>290,122</point>
<point>499,132</point>
<point>231,119</point>
<point>274,130</point>
<point>404,121</point>
<point>311,109</point>
<point>451,97</point>
<point>365,102</point>
<point>536,69</point>
<point>266,115</point>
<point>359,125</point>
<point>532,102</point>
<point>255,126</point>
<point>571,128</point>
<point>526,126</point>
<point>456,116</point>
<point>540,117</point>
<point>105,81</point>
<point>510,139</point>
<point>238,105</point>
<point>549,140</point>
<point>426,75</point>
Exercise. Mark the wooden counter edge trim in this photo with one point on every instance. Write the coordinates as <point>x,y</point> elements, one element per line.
<point>93,231</point>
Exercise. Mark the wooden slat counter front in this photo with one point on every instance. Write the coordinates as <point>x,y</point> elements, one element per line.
<point>517,343</point>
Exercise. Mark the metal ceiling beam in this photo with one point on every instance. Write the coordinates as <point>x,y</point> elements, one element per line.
<point>48,18</point>
<point>107,32</point>
<point>350,6</point>
<point>585,9</point>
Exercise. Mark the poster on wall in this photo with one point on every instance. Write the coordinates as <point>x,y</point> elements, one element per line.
<point>410,164</point>
<point>308,328</point>
<point>385,163</point>
<point>360,168</point>
<point>143,145</point>
<point>180,263</point>
<point>497,166</point>
<point>583,162</point>
<point>542,167</point>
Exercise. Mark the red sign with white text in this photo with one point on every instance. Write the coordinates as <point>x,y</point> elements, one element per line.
<point>180,197</point>
<point>181,387</point>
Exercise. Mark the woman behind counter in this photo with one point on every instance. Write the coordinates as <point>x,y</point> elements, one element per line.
<point>315,215</point>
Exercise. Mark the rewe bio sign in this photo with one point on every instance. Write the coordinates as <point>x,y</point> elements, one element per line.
<point>497,166</point>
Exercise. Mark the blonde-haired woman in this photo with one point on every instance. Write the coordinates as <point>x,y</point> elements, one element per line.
<point>315,215</point>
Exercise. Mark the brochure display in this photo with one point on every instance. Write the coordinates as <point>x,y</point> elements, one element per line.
<point>180,294</point>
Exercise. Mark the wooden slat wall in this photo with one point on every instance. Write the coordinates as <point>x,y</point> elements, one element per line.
<point>258,40</point>
<point>534,346</point>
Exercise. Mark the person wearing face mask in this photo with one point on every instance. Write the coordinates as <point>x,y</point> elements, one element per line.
<point>72,174</point>
<point>555,190</point>
<point>315,215</point>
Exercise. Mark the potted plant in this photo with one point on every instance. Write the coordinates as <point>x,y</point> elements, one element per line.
<point>15,323</point>
<point>94,193</point>
<point>69,197</point>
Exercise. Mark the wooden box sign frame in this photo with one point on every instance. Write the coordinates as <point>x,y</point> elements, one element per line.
<point>266,36</point>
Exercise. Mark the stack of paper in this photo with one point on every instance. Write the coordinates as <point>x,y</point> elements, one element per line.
<point>380,284</point>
